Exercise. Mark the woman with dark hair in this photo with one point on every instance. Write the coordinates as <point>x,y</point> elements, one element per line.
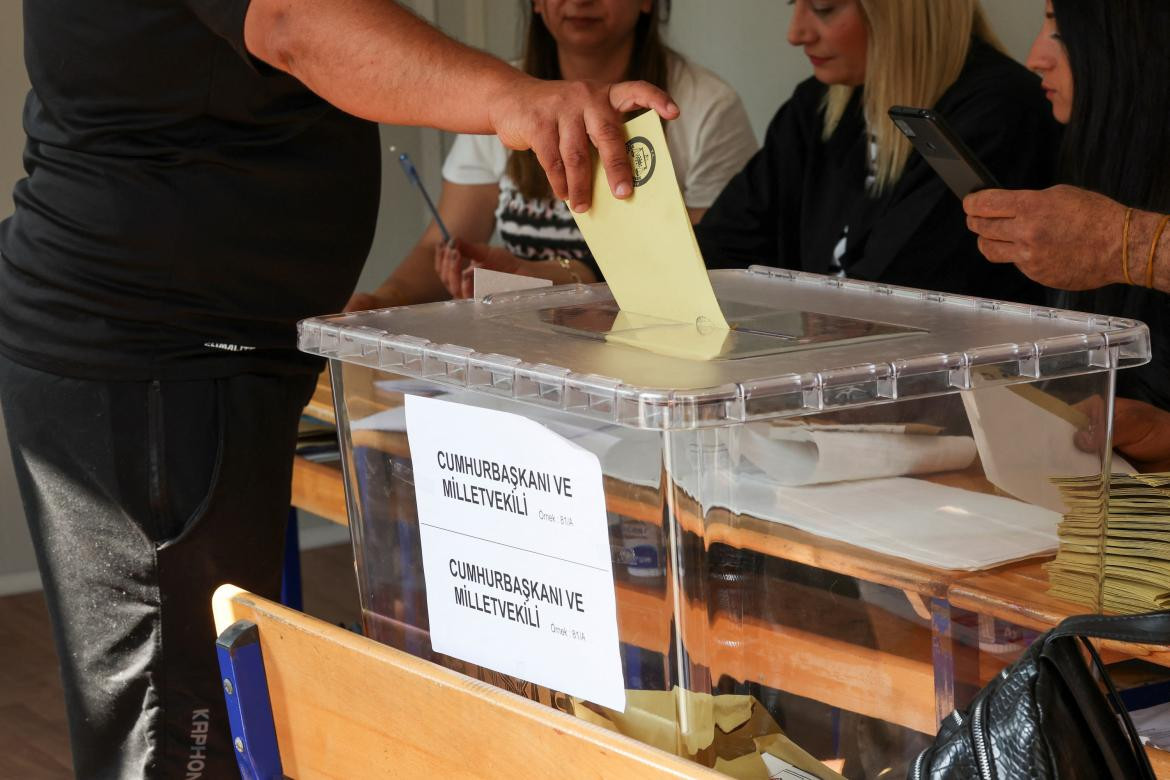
<point>1115,103</point>
<point>486,187</point>
<point>1101,243</point>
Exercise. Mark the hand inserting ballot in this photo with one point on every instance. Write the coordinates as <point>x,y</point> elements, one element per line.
<point>561,121</point>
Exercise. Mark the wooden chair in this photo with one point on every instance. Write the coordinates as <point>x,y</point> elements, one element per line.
<point>344,706</point>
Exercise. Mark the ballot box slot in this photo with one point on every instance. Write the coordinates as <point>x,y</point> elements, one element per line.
<point>756,331</point>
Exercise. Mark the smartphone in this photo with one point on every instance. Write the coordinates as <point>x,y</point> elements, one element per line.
<point>944,150</point>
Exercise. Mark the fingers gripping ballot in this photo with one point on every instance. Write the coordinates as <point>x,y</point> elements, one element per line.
<point>609,137</point>
<point>1141,432</point>
<point>562,122</point>
<point>605,129</point>
<point>577,160</point>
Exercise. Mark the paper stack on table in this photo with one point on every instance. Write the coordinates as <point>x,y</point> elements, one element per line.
<point>1114,551</point>
<point>1076,572</point>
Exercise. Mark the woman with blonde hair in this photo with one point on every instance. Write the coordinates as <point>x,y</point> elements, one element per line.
<point>837,189</point>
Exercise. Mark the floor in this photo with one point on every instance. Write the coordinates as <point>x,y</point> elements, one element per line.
<point>33,740</point>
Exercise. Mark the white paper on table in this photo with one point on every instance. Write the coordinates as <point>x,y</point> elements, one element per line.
<point>1153,725</point>
<point>779,769</point>
<point>1023,445</point>
<point>797,455</point>
<point>485,281</point>
<point>934,525</point>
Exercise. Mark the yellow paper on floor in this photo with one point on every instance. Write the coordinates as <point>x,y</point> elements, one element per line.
<point>734,733</point>
<point>645,245</point>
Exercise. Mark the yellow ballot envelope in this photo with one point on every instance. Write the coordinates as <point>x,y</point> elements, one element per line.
<point>733,733</point>
<point>699,340</point>
<point>645,245</point>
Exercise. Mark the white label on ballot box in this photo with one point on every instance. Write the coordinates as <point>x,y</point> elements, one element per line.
<point>515,548</point>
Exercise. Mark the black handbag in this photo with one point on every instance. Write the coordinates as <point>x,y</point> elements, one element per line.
<point>1046,716</point>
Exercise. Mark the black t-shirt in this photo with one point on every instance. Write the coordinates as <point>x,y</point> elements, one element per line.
<point>185,204</point>
<point>790,205</point>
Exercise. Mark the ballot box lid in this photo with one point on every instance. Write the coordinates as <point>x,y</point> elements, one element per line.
<point>799,344</point>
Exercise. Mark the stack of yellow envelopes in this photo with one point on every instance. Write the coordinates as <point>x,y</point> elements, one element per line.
<point>1114,551</point>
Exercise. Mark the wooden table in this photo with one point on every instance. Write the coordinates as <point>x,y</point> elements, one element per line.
<point>1018,594</point>
<point>892,683</point>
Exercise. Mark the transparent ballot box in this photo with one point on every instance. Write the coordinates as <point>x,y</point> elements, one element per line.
<point>737,545</point>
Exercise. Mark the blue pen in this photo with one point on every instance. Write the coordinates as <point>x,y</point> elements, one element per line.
<point>412,174</point>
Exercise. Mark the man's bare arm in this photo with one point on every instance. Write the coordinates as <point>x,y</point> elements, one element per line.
<point>376,60</point>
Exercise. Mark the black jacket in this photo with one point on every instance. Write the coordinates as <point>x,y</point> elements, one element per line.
<point>790,205</point>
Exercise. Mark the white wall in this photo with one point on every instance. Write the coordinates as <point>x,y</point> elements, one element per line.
<point>17,566</point>
<point>742,40</point>
<point>493,25</point>
<point>1016,22</point>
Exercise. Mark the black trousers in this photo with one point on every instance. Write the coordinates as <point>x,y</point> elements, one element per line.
<point>142,498</point>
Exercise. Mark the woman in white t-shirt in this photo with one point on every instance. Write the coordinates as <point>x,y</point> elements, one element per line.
<point>486,187</point>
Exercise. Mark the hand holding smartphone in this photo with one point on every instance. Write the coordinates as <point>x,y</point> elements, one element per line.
<point>944,150</point>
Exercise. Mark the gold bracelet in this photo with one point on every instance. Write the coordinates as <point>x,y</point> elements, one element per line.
<point>1154,250</point>
<point>1125,246</point>
<point>567,264</point>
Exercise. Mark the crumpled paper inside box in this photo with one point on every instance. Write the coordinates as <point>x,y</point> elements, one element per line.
<point>733,733</point>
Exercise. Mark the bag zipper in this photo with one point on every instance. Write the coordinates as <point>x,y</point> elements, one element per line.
<point>979,740</point>
<point>919,764</point>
